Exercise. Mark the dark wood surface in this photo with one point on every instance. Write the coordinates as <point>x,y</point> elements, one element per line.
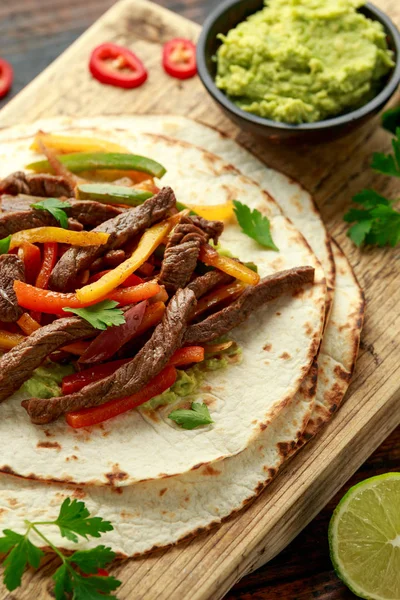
<point>32,34</point>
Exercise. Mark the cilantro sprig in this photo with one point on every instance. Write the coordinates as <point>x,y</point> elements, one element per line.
<point>56,208</point>
<point>101,315</point>
<point>375,220</point>
<point>197,415</point>
<point>391,119</point>
<point>71,578</point>
<point>254,224</point>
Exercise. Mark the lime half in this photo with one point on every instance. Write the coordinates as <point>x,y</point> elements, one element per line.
<point>364,538</point>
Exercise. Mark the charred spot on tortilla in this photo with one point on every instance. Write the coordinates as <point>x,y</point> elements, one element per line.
<point>53,445</point>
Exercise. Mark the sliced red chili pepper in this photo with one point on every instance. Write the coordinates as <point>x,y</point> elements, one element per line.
<point>179,58</point>
<point>6,77</point>
<point>116,65</point>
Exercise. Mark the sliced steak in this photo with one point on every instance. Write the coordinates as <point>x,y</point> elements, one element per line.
<point>11,268</point>
<point>181,254</point>
<point>87,212</point>
<point>205,283</point>
<point>131,377</point>
<point>253,297</point>
<point>18,364</point>
<point>212,229</point>
<point>41,184</point>
<point>121,229</point>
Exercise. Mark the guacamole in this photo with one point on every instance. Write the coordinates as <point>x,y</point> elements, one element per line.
<point>188,382</point>
<point>300,61</point>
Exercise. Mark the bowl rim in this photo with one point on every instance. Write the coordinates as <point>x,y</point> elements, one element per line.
<point>373,105</point>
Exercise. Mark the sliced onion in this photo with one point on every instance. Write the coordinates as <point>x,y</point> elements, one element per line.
<point>108,342</point>
<point>214,348</point>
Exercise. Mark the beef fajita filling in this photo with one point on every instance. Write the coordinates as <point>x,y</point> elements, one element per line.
<point>148,285</point>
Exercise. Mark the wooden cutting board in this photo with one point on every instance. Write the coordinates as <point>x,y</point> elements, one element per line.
<point>209,565</point>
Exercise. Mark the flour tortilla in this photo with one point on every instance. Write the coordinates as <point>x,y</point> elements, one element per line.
<point>159,513</point>
<point>279,343</point>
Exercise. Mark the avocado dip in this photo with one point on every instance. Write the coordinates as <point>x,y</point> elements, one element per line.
<point>301,61</point>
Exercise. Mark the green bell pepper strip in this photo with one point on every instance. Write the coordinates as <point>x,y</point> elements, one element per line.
<point>92,161</point>
<point>112,194</point>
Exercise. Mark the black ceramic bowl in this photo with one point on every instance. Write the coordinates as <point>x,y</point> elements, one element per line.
<point>228,15</point>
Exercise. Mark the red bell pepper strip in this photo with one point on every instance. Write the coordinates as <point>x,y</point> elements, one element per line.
<point>179,58</point>
<point>31,257</point>
<point>46,301</point>
<point>187,356</point>
<point>98,414</point>
<point>75,382</point>
<point>50,250</point>
<point>131,281</point>
<point>108,64</point>
<point>6,77</point>
<point>108,342</point>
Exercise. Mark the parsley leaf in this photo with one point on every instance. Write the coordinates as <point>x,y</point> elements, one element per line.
<point>84,583</point>
<point>89,561</point>
<point>23,552</point>
<point>74,519</point>
<point>56,208</point>
<point>254,224</point>
<point>5,244</point>
<point>101,315</point>
<point>93,588</point>
<point>391,119</point>
<point>388,164</point>
<point>189,419</point>
<point>377,223</point>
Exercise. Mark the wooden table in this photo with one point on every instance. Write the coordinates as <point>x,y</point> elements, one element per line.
<point>32,34</point>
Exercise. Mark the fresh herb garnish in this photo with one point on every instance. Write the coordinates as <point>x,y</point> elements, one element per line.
<point>56,208</point>
<point>391,119</point>
<point>5,244</point>
<point>71,577</point>
<point>388,164</point>
<point>254,224</point>
<point>101,315</point>
<point>189,419</point>
<point>377,223</point>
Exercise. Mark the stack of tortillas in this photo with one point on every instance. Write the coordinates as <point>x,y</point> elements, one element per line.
<point>299,354</point>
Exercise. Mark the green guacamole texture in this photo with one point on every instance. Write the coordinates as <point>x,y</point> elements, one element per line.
<point>301,61</point>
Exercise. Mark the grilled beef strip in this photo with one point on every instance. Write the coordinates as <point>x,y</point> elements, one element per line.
<point>131,377</point>
<point>212,229</point>
<point>18,364</point>
<point>181,254</point>
<point>253,297</point>
<point>121,228</point>
<point>11,268</point>
<point>41,184</point>
<point>86,212</point>
<point>205,283</point>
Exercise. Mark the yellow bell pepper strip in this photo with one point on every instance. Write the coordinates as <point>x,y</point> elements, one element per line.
<point>149,241</point>
<point>112,194</point>
<point>10,340</point>
<point>28,324</point>
<point>67,144</point>
<point>215,212</point>
<point>57,234</point>
<point>89,161</point>
<point>228,265</point>
<point>53,303</point>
